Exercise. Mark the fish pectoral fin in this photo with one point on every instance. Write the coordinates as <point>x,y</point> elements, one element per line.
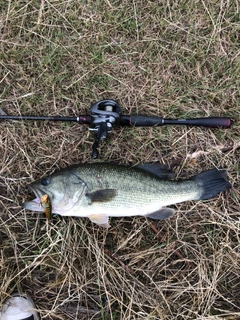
<point>161,214</point>
<point>100,219</point>
<point>103,195</point>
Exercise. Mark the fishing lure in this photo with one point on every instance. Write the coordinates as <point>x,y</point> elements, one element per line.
<point>46,204</point>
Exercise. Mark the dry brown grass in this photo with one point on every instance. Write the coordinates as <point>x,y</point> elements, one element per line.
<point>172,59</point>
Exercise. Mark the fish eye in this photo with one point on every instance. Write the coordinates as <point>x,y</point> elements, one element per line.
<point>45,181</point>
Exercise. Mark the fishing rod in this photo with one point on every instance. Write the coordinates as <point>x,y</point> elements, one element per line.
<point>105,114</point>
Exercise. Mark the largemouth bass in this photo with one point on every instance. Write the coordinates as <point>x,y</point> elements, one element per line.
<point>99,191</point>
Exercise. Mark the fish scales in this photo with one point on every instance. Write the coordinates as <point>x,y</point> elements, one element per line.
<point>101,190</point>
<point>136,186</point>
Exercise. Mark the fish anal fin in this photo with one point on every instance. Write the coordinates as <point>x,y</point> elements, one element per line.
<point>103,195</point>
<point>100,219</point>
<point>161,214</point>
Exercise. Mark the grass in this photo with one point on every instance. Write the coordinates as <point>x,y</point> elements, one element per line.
<point>173,59</point>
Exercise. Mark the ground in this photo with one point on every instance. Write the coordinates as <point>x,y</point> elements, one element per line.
<point>176,59</point>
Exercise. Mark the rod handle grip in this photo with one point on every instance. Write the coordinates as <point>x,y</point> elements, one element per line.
<point>211,122</point>
<point>141,121</point>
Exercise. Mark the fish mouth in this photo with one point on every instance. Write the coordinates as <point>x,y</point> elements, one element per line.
<point>35,204</point>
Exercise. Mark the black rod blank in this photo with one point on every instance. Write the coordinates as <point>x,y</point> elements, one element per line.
<point>80,119</point>
<point>137,121</point>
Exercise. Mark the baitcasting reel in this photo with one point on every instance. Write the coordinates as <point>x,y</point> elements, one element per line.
<point>104,114</point>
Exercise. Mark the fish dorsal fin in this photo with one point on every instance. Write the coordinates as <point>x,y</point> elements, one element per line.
<point>103,195</point>
<point>159,170</point>
<point>100,219</point>
<point>161,214</point>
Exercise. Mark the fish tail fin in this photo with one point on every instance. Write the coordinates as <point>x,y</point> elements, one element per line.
<point>212,182</point>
